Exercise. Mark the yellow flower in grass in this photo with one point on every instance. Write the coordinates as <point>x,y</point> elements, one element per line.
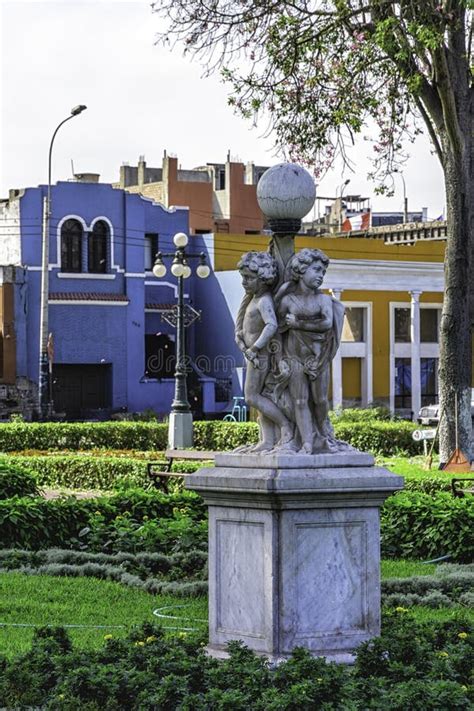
<point>401,609</point>
<point>108,636</point>
<point>139,644</point>
<point>463,635</point>
<point>182,634</point>
<point>151,639</point>
<point>443,654</point>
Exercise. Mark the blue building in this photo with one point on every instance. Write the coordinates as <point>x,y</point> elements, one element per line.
<point>111,348</point>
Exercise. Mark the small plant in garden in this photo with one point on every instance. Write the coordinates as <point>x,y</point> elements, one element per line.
<point>411,666</point>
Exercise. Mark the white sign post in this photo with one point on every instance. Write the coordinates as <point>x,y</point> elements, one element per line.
<point>423,436</point>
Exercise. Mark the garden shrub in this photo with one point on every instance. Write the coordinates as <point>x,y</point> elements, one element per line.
<point>79,471</point>
<point>16,481</point>
<point>215,435</point>
<point>359,414</point>
<point>413,525</point>
<point>379,437</point>
<point>130,520</point>
<point>18,436</point>
<point>421,667</point>
<point>421,526</point>
<point>366,432</point>
<point>82,471</point>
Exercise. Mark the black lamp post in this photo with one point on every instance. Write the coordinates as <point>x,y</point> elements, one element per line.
<point>44,385</point>
<point>181,422</point>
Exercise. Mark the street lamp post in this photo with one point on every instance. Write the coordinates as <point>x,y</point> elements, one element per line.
<point>344,184</point>
<point>405,198</point>
<point>44,396</point>
<point>180,433</point>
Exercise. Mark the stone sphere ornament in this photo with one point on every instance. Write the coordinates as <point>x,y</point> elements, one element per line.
<point>286,193</point>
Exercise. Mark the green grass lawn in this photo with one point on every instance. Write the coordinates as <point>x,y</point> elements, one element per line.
<point>405,568</point>
<point>406,466</point>
<point>97,607</point>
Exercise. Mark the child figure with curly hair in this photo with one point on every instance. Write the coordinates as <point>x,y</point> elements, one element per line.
<point>311,322</point>
<point>255,326</point>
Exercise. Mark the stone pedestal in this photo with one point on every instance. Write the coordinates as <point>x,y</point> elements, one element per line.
<point>180,430</point>
<point>294,551</point>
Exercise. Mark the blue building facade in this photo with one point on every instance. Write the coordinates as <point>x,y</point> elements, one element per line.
<point>111,348</point>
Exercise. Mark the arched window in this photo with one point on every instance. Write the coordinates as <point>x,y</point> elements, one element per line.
<point>71,246</point>
<point>97,256</point>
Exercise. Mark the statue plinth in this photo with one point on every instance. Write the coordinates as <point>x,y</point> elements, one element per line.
<point>294,551</point>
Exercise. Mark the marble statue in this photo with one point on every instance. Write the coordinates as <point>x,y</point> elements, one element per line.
<point>289,332</point>
<point>256,325</point>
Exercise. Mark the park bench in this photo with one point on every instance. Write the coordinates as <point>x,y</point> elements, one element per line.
<point>159,472</point>
<point>461,491</point>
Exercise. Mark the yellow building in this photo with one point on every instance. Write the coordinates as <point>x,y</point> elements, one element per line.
<point>393,296</point>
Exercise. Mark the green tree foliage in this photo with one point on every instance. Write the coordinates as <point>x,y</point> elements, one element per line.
<point>322,70</point>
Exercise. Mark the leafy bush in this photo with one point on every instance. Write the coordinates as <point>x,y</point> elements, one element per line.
<point>379,437</point>
<point>411,666</point>
<point>358,414</point>
<point>16,481</point>
<point>220,436</point>
<point>130,520</point>
<point>367,434</point>
<point>366,431</point>
<point>82,435</point>
<point>81,471</point>
<point>413,525</point>
<point>418,525</point>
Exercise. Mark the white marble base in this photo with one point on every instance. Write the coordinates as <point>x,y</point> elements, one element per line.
<point>180,430</point>
<point>294,554</point>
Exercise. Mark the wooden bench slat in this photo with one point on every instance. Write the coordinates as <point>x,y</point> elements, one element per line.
<point>190,454</point>
<point>161,477</point>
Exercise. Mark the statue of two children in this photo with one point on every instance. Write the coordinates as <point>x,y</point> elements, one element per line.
<point>289,336</point>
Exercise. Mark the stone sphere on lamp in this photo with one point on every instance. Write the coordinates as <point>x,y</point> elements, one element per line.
<point>286,193</point>
<point>180,239</point>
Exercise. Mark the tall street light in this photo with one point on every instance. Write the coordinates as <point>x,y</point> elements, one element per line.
<point>180,433</point>
<point>44,397</point>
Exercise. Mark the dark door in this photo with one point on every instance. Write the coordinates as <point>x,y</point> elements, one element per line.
<point>79,390</point>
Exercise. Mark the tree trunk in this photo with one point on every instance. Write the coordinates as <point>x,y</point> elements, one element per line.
<point>455,363</point>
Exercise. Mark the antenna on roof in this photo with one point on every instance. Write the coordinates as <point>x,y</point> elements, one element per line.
<point>72,167</point>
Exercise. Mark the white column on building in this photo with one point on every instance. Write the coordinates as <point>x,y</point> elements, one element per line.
<point>415,352</point>
<point>337,366</point>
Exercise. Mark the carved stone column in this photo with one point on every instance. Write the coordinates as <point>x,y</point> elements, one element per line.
<point>337,367</point>
<point>415,352</point>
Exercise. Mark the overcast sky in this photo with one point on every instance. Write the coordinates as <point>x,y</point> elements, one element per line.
<point>142,99</point>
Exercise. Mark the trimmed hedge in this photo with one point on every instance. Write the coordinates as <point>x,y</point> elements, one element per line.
<point>79,471</point>
<point>413,524</point>
<point>82,435</point>
<point>422,526</point>
<point>16,481</point>
<point>386,437</point>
